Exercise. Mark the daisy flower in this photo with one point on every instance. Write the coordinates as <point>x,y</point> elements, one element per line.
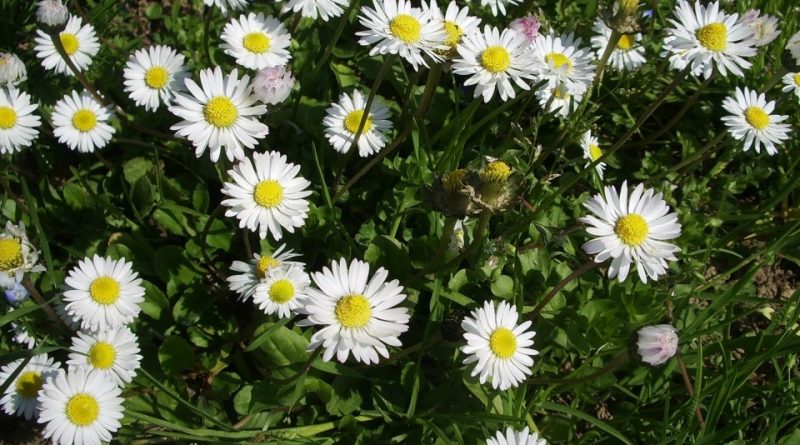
<point>792,83</point>
<point>80,406</point>
<point>17,255</point>
<point>51,12</point>
<point>494,61</point>
<point>257,42</point>
<point>751,119</point>
<point>499,5</point>
<point>628,55</point>
<point>764,27</point>
<point>18,125</point>
<point>312,9</point>
<point>394,27</point>
<point>12,70</point>
<point>257,269</point>
<point>359,313</point>
<point>103,293</point>
<point>79,42</point>
<point>592,151</point>
<point>561,100</point>
<point>704,37</point>
<point>113,353</point>
<point>631,229</point>
<point>153,75</point>
<point>224,5</point>
<point>220,113</point>
<point>342,120</point>
<point>501,347</point>
<point>511,437</point>
<point>82,123</point>
<point>267,194</point>
<point>273,85</point>
<point>560,61</point>
<point>20,396</point>
<point>281,291</point>
<point>456,23</point>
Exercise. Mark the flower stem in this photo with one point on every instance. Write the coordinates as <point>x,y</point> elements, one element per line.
<point>447,231</point>
<point>585,267</point>
<point>621,359</point>
<point>37,297</point>
<point>690,388</point>
<point>208,15</point>
<point>336,35</point>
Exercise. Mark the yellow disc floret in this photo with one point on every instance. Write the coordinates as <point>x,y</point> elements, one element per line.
<point>220,112</point>
<point>495,59</point>
<point>8,118</point>
<point>265,263</point>
<point>626,42</point>
<point>84,120</point>
<point>454,180</point>
<point>797,79</point>
<point>28,384</point>
<point>503,343</point>
<point>454,33</point>
<point>595,152</point>
<point>353,311</point>
<point>406,28</point>
<point>353,120</point>
<point>10,254</point>
<point>102,355</point>
<point>70,43</point>
<point>558,60</point>
<point>82,409</point>
<point>104,290</point>
<point>256,42</point>
<point>713,36</point>
<point>281,291</point>
<point>268,193</point>
<point>632,229</point>
<point>756,117</point>
<point>156,77</point>
<point>496,171</point>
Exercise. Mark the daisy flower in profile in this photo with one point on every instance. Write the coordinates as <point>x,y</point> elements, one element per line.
<point>704,37</point>
<point>359,313</point>
<point>79,42</point>
<point>456,23</point>
<point>267,195</point>
<point>220,113</point>
<point>18,125</point>
<point>499,6</point>
<point>281,291</point>
<point>560,61</point>
<point>257,42</point>
<point>561,101</point>
<point>17,255</point>
<point>324,9</point>
<point>501,347</point>
<point>343,119</point>
<point>256,270</point>
<point>764,27</point>
<point>592,151</point>
<point>631,229</point>
<point>20,396</point>
<point>153,75</point>
<point>628,55</point>
<point>657,344</point>
<point>80,406</point>
<point>12,70</point>
<point>225,5</point>
<point>113,353</point>
<point>494,61</point>
<point>791,82</point>
<point>394,27</point>
<point>273,85</point>
<point>751,119</point>
<point>103,293</point>
<point>82,123</point>
<point>511,437</point>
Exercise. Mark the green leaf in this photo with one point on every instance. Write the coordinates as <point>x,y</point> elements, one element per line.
<point>176,355</point>
<point>154,300</point>
<point>136,167</point>
<point>345,399</point>
<point>285,347</point>
<point>503,287</point>
<point>154,11</point>
<point>75,196</point>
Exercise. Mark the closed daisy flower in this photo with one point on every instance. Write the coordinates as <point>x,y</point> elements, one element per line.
<point>705,37</point>
<point>559,60</point>
<point>751,119</point>
<point>20,395</point>
<point>281,291</point>
<point>343,119</point>
<point>359,313</point>
<point>257,42</point>
<point>499,6</point>
<point>527,27</point>
<point>512,437</point>
<point>764,27</point>
<point>17,255</point>
<point>113,353</point>
<point>257,270</point>
<point>103,293</point>
<point>592,151</point>
<point>18,125</point>
<point>82,123</point>
<point>267,195</point>
<point>499,347</point>
<point>273,85</point>
<point>153,75</point>
<point>394,27</point>
<point>657,344</point>
<point>791,82</point>
<point>220,113</point>
<point>628,54</point>
<point>456,23</point>
<point>494,61</point>
<point>12,70</point>
<point>324,9</point>
<point>81,407</point>
<point>79,42</point>
<point>51,12</point>
<point>632,229</point>
<point>226,5</point>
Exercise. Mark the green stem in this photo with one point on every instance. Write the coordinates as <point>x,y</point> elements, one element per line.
<point>618,361</point>
<point>204,245</point>
<point>447,231</point>
<point>585,267</point>
<point>208,14</point>
<point>387,64</point>
<point>181,401</point>
<point>37,297</point>
<point>336,35</point>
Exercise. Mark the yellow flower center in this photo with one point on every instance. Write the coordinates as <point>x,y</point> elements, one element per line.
<point>69,42</point>
<point>82,409</point>
<point>156,77</point>
<point>626,42</point>
<point>104,290</point>
<point>595,152</point>
<point>632,229</point>
<point>797,79</point>
<point>454,33</point>
<point>503,343</point>
<point>84,120</point>
<point>559,61</point>
<point>353,311</point>
<point>268,193</point>
<point>10,254</point>
<point>256,42</point>
<point>629,6</point>
<point>353,119</point>
<point>220,112</point>
<point>495,59</point>
<point>406,28</point>
<point>281,291</point>
<point>28,384</point>
<point>265,263</point>
<point>453,180</point>
<point>713,36</point>
<point>756,117</point>
<point>102,355</point>
<point>496,171</point>
<point>8,118</point>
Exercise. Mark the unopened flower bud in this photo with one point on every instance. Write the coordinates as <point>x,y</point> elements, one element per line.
<point>657,343</point>
<point>12,70</point>
<point>52,13</point>
<point>273,85</point>
<point>527,27</point>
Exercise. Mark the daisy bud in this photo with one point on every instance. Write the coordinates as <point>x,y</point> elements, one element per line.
<point>657,343</point>
<point>626,17</point>
<point>527,27</point>
<point>12,70</point>
<point>451,194</point>
<point>764,27</point>
<point>791,57</point>
<point>52,13</point>
<point>496,186</point>
<point>273,85</point>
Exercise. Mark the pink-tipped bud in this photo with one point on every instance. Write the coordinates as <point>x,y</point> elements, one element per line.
<point>657,344</point>
<point>273,85</point>
<point>52,13</point>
